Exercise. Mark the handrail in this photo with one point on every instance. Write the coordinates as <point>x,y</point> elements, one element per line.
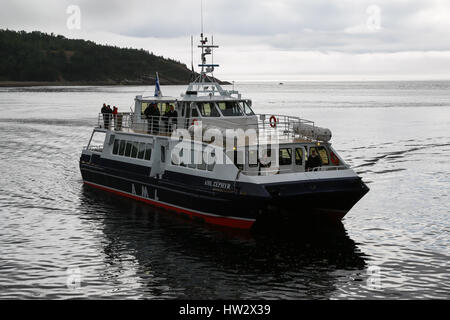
<point>282,126</point>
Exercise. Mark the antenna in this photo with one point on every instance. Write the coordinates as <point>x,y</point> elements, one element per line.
<point>192,53</point>
<point>201,13</point>
<point>212,55</point>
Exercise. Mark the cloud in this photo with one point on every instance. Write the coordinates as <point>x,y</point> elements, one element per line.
<point>344,32</point>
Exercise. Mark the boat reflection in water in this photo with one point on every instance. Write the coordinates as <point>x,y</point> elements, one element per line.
<point>178,258</point>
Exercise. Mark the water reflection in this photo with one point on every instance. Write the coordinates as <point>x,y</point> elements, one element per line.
<point>175,258</point>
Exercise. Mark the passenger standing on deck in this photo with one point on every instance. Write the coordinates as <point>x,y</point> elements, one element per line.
<point>171,117</point>
<point>114,115</point>
<point>104,112</point>
<point>108,116</point>
<point>152,114</point>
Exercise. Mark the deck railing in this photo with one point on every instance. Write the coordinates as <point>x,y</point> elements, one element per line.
<point>266,125</point>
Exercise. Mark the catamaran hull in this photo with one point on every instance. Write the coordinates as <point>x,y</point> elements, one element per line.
<point>294,201</point>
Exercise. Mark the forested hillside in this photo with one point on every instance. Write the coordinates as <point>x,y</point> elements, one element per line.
<point>42,57</point>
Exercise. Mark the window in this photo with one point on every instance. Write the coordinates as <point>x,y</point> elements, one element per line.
<point>144,106</point>
<point>128,149</point>
<point>208,109</point>
<point>192,162</point>
<point>194,112</point>
<point>211,157</point>
<point>148,151</point>
<point>122,147</point>
<point>134,149</point>
<point>253,158</point>
<point>230,108</point>
<point>246,107</point>
<point>285,156</point>
<point>141,151</point>
<point>322,152</point>
<point>116,146</point>
<point>163,154</point>
<point>299,156</point>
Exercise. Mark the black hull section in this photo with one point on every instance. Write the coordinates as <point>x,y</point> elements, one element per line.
<point>194,198</point>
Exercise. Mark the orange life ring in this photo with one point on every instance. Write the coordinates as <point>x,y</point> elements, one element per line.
<point>334,158</point>
<point>273,121</point>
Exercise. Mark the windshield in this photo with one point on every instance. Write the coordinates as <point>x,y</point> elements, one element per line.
<point>208,109</point>
<point>246,107</point>
<point>230,108</point>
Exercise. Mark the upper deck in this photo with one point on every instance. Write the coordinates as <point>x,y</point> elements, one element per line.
<point>265,127</point>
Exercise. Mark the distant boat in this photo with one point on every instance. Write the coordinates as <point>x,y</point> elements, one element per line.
<point>281,83</point>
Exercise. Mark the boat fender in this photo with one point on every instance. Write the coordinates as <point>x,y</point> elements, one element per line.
<point>273,121</point>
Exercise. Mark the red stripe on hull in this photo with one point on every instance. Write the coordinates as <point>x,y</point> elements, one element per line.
<point>221,221</point>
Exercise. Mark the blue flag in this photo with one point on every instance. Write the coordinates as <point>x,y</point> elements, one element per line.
<point>157,87</point>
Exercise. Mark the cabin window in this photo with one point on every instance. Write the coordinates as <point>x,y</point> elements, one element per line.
<point>230,108</point>
<point>134,149</point>
<point>116,146</point>
<point>148,151</point>
<point>163,154</point>
<point>141,151</point>
<point>253,158</point>
<point>208,109</point>
<point>97,141</point>
<point>128,149</point>
<point>235,156</point>
<point>285,156</point>
<point>144,106</point>
<point>212,155</point>
<point>246,107</point>
<point>322,152</point>
<point>194,112</point>
<point>192,162</point>
<point>122,147</point>
<point>299,156</point>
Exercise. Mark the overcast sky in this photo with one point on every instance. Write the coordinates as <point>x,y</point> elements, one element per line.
<point>262,39</point>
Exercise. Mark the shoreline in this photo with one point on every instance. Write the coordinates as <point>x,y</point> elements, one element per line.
<point>23,84</point>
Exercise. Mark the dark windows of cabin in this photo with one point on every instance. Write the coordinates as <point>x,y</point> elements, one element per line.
<point>133,149</point>
<point>194,112</point>
<point>122,147</point>
<point>163,154</point>
<point>141,151</point>
<point>211,156</point>
<point>230,108</point>
<point>116,146</point>
<point>253,158</point>
<point>208,109</point>
<point>148,151</point>
<point>144,106</point>
<point>128,149</point>
<point>299,156</point>
<point>322,152</point>
<point>285,156</point>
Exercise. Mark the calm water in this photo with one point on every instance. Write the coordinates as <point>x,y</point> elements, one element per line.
<point>393,244</point>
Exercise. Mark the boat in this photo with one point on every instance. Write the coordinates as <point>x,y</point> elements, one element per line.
<point>207,156</point>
